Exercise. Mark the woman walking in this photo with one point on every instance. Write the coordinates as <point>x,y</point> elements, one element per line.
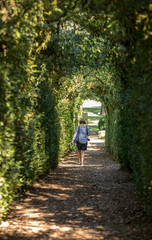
<point>82,132</point>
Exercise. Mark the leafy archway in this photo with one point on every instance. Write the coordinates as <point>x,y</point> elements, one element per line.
<point>53,55</point>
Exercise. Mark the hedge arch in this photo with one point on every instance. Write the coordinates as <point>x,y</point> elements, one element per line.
<point>53,55</point>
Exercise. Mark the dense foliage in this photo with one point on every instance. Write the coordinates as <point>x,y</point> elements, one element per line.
<point>53,55</point>
<point>38,114</point>
<point>102,123</point>
<point>126,26</point>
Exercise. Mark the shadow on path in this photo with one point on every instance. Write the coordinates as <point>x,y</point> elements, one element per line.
<point>97,201</point>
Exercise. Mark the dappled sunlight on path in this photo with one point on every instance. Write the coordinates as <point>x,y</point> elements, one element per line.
<point>96,201</point>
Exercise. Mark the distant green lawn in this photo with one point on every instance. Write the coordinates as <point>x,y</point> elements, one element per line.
<point>90,119</point>
<point>94,110</point>
<point>93,128</point>
<point>94,117</point>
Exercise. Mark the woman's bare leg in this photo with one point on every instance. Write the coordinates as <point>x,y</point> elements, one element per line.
<point>82,156</point>
<point>79,156</point>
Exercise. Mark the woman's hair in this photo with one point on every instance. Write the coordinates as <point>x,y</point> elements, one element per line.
<point>82,121</point>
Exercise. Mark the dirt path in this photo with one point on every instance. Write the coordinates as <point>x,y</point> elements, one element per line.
<point>97,201</point>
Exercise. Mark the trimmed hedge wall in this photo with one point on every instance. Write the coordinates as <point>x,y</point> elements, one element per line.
<point>126,29</point>
<point>37,119</point>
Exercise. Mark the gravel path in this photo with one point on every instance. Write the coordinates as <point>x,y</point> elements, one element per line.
<point>97,201</point>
